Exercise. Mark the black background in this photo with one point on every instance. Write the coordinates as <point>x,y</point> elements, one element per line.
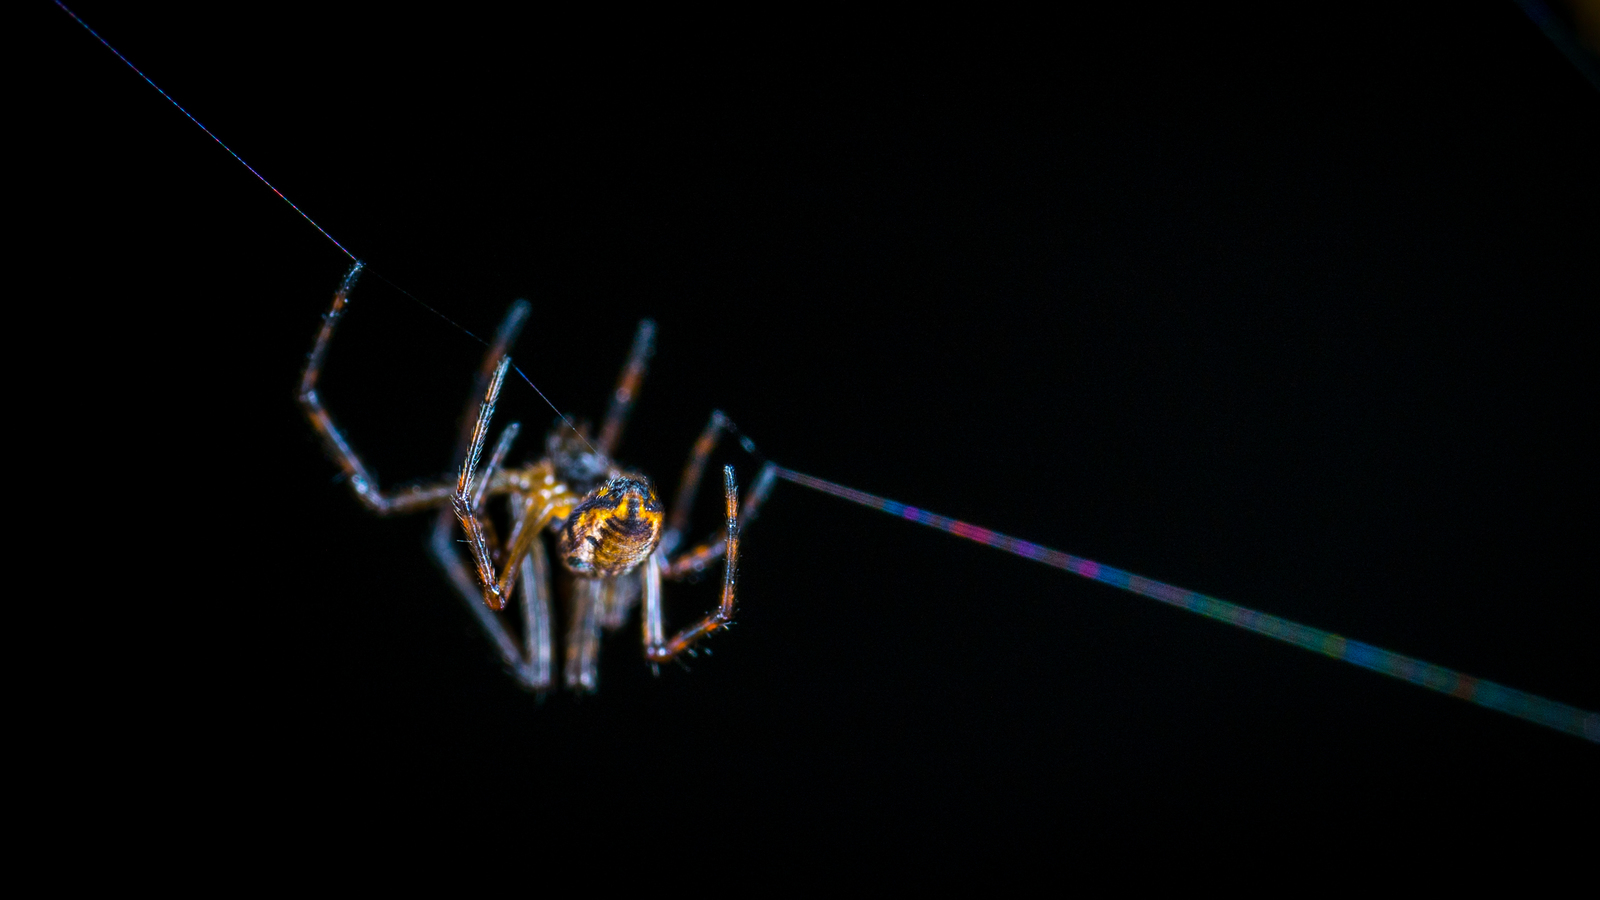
<point>1289,312</point>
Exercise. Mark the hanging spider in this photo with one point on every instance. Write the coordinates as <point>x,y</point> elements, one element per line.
<point>611,532</point>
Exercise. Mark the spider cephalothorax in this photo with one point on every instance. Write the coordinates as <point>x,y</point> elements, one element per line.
<point>575,461</point>
<point>612,533</point>
<point>613,529</point>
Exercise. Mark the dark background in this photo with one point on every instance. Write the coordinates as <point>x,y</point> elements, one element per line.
<point>1294,313</point>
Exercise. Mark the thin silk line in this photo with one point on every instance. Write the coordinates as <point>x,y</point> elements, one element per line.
<point>1508,700</point>
<point>191,118</point>
<point>514,367</point>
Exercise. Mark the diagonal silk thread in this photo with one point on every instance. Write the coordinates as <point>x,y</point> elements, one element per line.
<point>1508,700</point>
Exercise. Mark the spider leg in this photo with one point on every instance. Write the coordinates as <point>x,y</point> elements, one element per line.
<point>504,337</point>
<point>465,502</point>
<point>536,613</point>
<point>583,636</point>
<point>362,482</point>
<point>695,560</point>
<point>502,446</point>
<point>468,512</point>
<point>597,603</point>
<point>530,665</point>
<point>656,648</point>
<point>619,599</point>
<point>644,345</point>
<point>689,483</point>
<point>689,486</point>
<point>524,667</point>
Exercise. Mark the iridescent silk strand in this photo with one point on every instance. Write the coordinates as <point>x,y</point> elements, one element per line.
<point>1508,700</point>
<point>209,134</point>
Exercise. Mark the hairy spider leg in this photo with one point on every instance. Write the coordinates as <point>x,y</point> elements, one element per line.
<point>656,648</point>
<point>362,482</point>
<point>622,399</point>
<point>465,501</point>
<point>502,446</point>
<point>529,664</point>
<point>689,485</point>
<point>694,561</point>
<point>538,510</point>
<point>724,543</point>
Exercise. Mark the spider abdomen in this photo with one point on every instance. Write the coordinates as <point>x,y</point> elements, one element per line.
<point>613,529</point>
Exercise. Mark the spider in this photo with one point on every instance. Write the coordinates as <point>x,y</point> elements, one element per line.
<point>611,532</point>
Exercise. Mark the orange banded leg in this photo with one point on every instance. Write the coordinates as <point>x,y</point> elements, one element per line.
<point>689,483</point>
<point>657,649</point>
<point>362,482</point>
<point>480,493</point>
<point>461,501</point>
<point>528,664</point>
<point>644,346</point>
<point>505,336</point>
<point>696,559</point>
<point>466,502</point>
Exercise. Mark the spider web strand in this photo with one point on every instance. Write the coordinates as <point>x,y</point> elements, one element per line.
<point>1488,694</point>
<point>514,367</point>
<point>209,134</point>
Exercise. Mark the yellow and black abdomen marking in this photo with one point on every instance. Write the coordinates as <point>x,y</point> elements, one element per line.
<point>614,529</point>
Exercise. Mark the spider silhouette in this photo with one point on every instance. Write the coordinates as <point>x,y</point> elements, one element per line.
<point>611,532</point>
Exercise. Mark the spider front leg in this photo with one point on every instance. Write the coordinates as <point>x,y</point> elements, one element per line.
<point>656,648</point>
<point>466,502</point>
<point>530,663</point>
<point>361,481</point>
